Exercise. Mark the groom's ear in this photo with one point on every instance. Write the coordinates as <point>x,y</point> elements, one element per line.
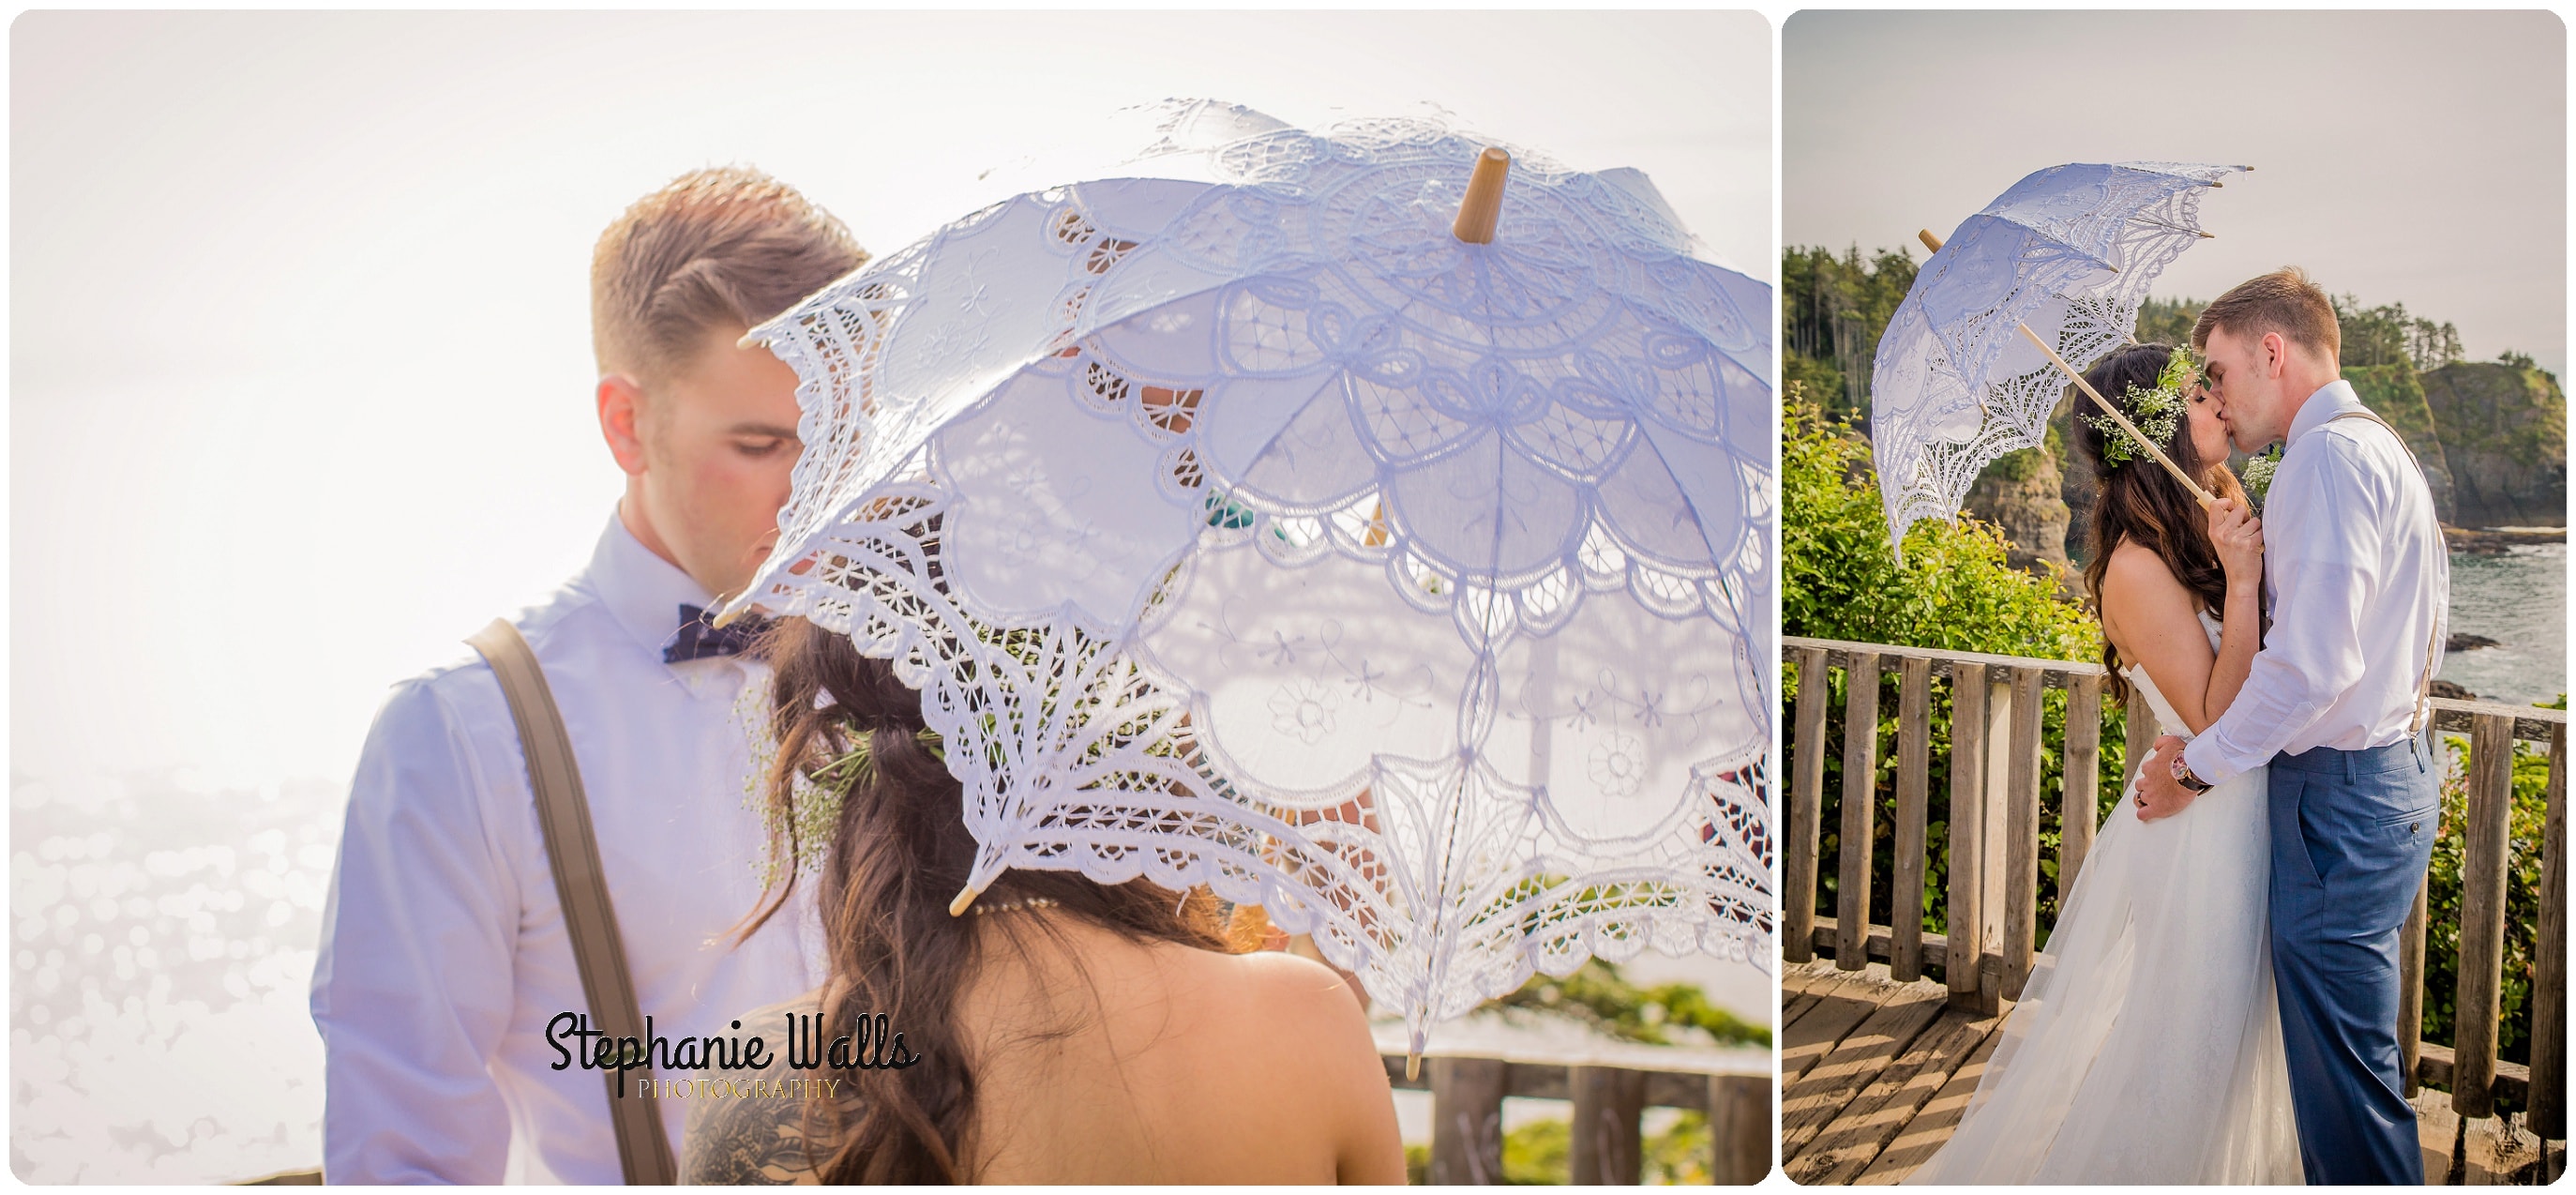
<point>621,402</point>
<point>2276,354</point>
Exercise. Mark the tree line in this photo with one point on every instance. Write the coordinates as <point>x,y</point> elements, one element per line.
<point>1833,308</point>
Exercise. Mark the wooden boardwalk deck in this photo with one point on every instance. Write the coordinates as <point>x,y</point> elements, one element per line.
<point>1874,1075</point>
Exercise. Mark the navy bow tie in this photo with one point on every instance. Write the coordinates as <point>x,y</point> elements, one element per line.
<point>699,638</point>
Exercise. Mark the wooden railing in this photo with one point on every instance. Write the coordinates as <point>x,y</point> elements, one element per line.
<point>1992,893</point>
<point>1609,1102</point>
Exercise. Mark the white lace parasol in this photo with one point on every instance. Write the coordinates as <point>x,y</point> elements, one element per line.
<point>1265,535</point>
<point>2070,252</point>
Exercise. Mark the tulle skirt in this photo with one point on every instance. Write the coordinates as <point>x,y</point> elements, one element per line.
<point>2147,1046</point>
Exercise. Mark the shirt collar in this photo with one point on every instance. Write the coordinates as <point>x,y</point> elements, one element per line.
<point>2334,398</point>
<point>641,590</point>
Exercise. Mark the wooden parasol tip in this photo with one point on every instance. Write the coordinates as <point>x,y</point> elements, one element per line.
<point>965,896</point>
<point>729,617</point>
<point>1412,1066</point>
<point>1483,206</point>
<point>1930,241</point>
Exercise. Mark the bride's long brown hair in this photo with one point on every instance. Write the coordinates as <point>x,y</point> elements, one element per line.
<point>2139,501</point>
<point>899,851</point>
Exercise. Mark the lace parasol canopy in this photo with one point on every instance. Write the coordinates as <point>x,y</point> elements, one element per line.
<point>1264,535</point>
<point>2070,251</point>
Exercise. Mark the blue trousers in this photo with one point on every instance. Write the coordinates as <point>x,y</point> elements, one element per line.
<point>2352,832</point>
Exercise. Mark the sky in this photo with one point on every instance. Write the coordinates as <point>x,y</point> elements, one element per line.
<point>300,355</point>
<point>300,372</point>
<point>2402,157</point>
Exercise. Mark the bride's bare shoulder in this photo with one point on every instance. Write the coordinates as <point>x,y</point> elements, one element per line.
<point>2139,570</point>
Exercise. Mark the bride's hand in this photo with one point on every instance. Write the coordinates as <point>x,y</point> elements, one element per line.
<point>2238,537</point>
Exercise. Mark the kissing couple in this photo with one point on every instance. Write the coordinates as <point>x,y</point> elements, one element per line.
<point>2219,1000</point>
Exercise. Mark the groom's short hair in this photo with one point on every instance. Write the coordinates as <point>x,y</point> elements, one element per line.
<point>725,245</point>
<point>2286,301</point>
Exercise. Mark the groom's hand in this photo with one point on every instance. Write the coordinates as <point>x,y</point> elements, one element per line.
<point>2159,794</point>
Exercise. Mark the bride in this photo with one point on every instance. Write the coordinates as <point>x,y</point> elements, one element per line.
<point>1063,1031</point>
<point>2146,1047</point>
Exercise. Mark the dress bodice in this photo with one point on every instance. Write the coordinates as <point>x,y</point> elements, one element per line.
<point>2167,721</point>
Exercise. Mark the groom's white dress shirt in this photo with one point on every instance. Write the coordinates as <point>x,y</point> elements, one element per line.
<point>444,951</point>
<point>2359,580</point>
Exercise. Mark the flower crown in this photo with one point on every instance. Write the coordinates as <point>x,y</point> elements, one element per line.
<point>816,793</point>
<point>2156,412</point>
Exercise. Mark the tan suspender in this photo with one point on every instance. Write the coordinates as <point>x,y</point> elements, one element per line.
<point>597,951</point>
<point>2433,636</point>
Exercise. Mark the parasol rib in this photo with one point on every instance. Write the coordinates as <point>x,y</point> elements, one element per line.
<point>2197,493</point>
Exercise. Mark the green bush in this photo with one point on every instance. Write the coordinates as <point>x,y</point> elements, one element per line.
<point>1955,591</point>
<point>1665,1014</point>
<point>2443,907</point>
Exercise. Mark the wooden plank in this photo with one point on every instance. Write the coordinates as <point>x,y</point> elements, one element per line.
<point>1466,1120</point>
<point>1924,1135</point>
<point>1837,1013</point>
<point>2500,1152</point>
<point>2437,1133</point>
<point>2410,986</point>
<point>1739,1129</point>
<point>1944,662</point>
<point>2482,912</point>
<point>1799,984</point>
<point>2079,795</point>
<point>2021,847</point>
<point>1820,1095</point>
<point>1607,1101</point>
<point>1999,724</point>
<point>1967,827</point>
<point>1806,809</point>
<point>2530,724</point>
<point>2141,738</point>
<point>1936,950</point>
<point>2549,971</point>
<point>1854,1140</point>
<point>2512,1079</point>
<point>1859,804</point>
<point>1913,811</point>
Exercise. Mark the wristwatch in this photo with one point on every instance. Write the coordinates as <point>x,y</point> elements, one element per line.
<point>2182,776</point>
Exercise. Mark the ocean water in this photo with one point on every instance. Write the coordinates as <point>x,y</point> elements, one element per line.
<point>2519,600</point>
<point>162,943</point>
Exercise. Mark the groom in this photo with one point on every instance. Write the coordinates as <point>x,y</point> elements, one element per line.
<point>445,953</point>
<point>2336,704</point>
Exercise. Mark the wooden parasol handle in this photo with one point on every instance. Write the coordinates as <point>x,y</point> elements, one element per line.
<point>1483,206</point>
<point>2198,494</point>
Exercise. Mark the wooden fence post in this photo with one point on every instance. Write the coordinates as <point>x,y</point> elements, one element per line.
<point>2021,825</point>
<point>2410,985</point>
<point>1806,812</point>
<point>1739,1129</point>
<point>2078,796</point>
<point>2482,911</point>
<point>2549,971</point>
<point>1467,1121</point>
<point>1999,734</point>
<point>1859,809</point>
<point>1966,916</point>
<point>2140,726</point>
<point>1606,1146</point>
<point>1913,810</point>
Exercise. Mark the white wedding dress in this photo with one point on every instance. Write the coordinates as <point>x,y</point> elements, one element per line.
<point>2146,1047</point>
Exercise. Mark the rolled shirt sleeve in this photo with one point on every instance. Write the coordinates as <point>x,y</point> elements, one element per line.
<point>412,990</point>
<point>2324,559</point>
